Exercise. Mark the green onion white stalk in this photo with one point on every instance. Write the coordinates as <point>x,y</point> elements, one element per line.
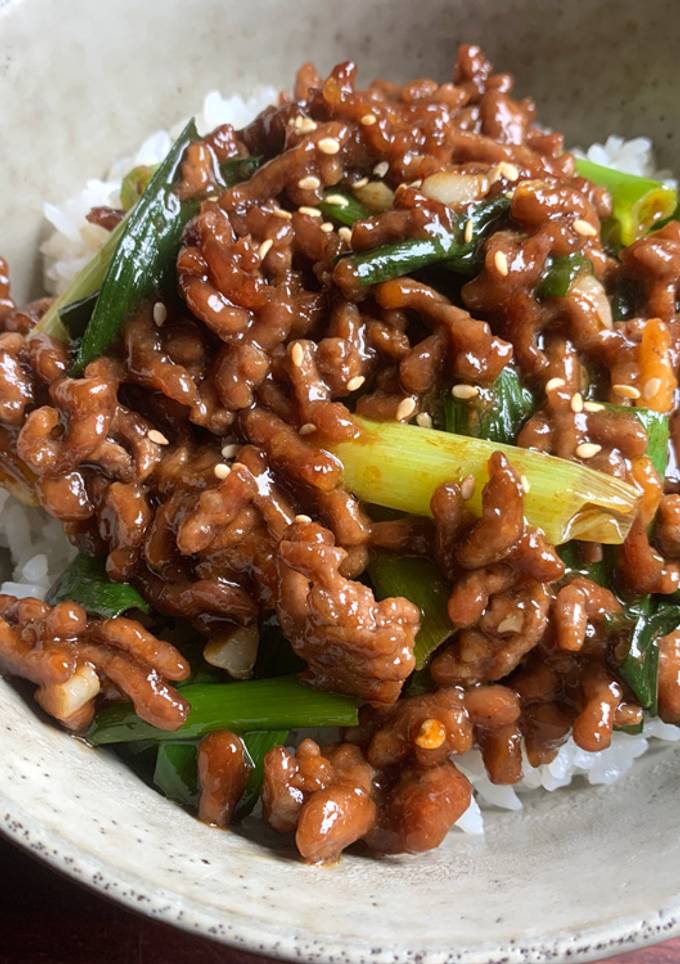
<point>400,466</point>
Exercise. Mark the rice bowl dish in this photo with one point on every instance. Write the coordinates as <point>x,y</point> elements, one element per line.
<point>40,553</point>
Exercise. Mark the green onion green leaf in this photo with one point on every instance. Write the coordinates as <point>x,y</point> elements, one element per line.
<point>420,581</point>
<point>496,413</point>
<point>85,581</point>
<point>266,704</point>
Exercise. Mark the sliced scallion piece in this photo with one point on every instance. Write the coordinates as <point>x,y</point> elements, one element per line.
<point>639,203</point>
<point>400,466</point>
<point>405,257</point>
<point>496,413</point>
<point>342,207</point>
<point>88,281</point>
<point>640,668</point>
<point>85,581</point>
<point>560,273</point>
<point>266,704</point>
<point>176,774</point>
<point>420,581</point>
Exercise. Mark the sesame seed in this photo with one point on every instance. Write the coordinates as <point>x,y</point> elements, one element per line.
<point>297,355</point>
<point>345,234</point>
<point>229,451</point>
<point>160,314</point>
<point>431,735</point>
<point>626,391</point>
<point>307,428</point>
<point>362,182</point>
<point>381,169</point>
<point>405,409</point>
<point>586,450</point>
<point>424,419</point>
<point>355,383</point>
<point>265,248</point>
<point>368,120</point>
<point>303,518</point>
<point>465,391</point>
<point>584,228</point>
<point>155,436</point>
<point>593,406</point>
<point>417,183</point>
<point>327,227</point>
<point>312,212</point>
<point>577,402</point>
<point>467,233</point>
<point>282,213</point>
<point>526,484</point>
<point>500,259</point>
<point>338,199</point>
<point>328,145</point>
<point>221,470</point>
<point>554,383</point>
<point>651,387</point>
<point>240,467</point>
<point>467,487</point>
<point>305,125</point>
<point>309,183</point>
<point>509,171</point>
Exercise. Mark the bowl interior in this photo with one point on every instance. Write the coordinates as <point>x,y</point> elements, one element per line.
<point>578,870</point>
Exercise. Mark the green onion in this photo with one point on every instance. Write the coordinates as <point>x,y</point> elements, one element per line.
<point>560,273</point>
<point>601,572</point>
<point>139,757</point>
<point>418,683</point>
<point>266,704</point>
<point>346,211</point>
<point>403,258</point>
<point>134,262</point>
<point>138,257</point>
<point>657,427</point>
<point>176,773</point>
<point>420,581</point>
<point>400,466</point>
<point>639,203</point>
<point>640,668</point>
<point>275,655</point>
<point>496,413</point>
<point>625,298</point>
<point>75,316</point>
<point>85,581</point>
<point>236,169</point>
<point>135,183</point>
<point>88,280</point>
<point>145,256</point>
<point>258,745</point>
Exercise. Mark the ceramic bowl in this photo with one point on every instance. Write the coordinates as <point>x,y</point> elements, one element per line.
<point>581,872</point>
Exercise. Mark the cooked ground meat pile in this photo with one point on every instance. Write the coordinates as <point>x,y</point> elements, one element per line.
<point>195,455</point>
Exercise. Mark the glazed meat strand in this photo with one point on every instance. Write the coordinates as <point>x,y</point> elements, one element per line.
<point>496,600</point>
<point>350,642</point>
<point>223,773</point>
<point>68,656</point>
<point>326,797</point>
<point>420,810</point>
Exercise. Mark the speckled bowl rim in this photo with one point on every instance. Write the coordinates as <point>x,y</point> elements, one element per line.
<point>616,936</point>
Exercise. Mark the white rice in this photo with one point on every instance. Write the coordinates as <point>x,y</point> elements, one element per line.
<point>74,240</point>
<point>38,549</point>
